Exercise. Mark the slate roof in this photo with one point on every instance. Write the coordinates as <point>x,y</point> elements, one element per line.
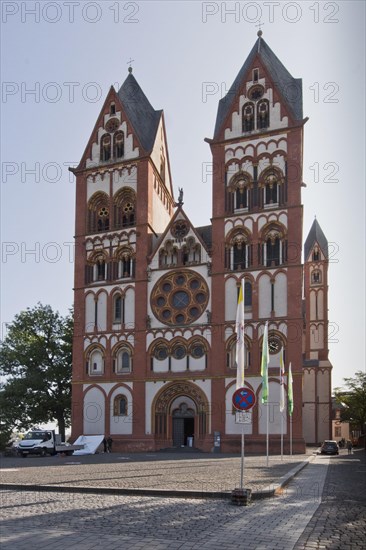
<point>141,114</point>
<point>316,235</point>
<point>290,88</point>
<point>205,232</point>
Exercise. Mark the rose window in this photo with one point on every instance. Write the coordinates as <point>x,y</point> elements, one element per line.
<point>179,299</point>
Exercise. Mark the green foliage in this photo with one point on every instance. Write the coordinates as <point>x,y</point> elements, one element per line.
<point>35,362</point>
<point>354,400</point>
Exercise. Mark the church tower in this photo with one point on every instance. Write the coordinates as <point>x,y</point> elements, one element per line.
<point>317,402</point>
<point>257,154</point>
<point>124,200</point>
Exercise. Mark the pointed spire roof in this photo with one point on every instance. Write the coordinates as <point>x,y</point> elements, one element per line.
<point>316,235</point>
<point>141,114</point>
<point>290,88</point>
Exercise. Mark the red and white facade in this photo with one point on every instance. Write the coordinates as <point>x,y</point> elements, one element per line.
<point>156,298</point>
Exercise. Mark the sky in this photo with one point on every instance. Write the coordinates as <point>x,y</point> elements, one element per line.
<point>59,60</point>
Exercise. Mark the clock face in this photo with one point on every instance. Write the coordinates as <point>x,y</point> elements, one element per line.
<point>274,345</point>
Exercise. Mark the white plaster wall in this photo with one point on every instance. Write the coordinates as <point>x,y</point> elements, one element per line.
<point>316,336</point>
<point>89,313</point>
<point>160,218</point>
<point>320,304</point>
<point>274,414</point>
<point>121,424</point>
<point>264,296</point>
<point>323,385</point>
<point>161,366</point>
<point>98,183</point>
<point>308,391</point>
<point>323,423</point>
<point>127,178</point>
<point>102,311</point>
<point>280,295</point>
<point>197,364</point>
<point>130,308</point>
<point>178,365</point>
<point>308,422</point>
<point>94,412</point>
<point>231,299</point>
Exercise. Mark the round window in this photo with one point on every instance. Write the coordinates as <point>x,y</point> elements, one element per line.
<point>179,298</point>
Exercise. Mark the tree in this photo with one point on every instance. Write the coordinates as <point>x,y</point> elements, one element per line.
<point>35,361</point>
<point>354,400</point>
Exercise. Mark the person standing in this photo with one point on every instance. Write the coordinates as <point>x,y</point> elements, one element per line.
<point>349,447</point>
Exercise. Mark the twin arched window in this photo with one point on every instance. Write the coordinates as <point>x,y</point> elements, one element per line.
<point>124,210</point>
<point>106,147</point>
<point>255,117</point>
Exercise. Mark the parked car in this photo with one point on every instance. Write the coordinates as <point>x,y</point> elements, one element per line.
<point>329,448</point>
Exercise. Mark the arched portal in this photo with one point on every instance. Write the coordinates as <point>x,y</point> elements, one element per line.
<point>180,410</point>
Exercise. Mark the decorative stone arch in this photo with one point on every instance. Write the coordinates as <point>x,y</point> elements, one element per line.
<point>162,412</point>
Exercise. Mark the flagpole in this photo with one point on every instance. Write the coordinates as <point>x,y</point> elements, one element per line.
<point>282,435</point>
<point>267,433</point>
<point>242,458</point>
<point>291,435</point>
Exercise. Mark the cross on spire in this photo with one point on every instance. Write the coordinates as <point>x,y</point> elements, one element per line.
<point>129,63</point>
<point>260,32</point>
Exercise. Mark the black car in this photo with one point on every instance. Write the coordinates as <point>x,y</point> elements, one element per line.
<point>329,448</point>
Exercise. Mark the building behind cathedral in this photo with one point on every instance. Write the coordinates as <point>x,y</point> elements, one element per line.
<point>156,297</point>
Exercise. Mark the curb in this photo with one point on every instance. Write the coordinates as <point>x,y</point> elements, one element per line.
<point>268,492</point>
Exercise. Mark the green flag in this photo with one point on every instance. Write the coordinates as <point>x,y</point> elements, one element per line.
<point>290,396</point>
<point>264,365</point>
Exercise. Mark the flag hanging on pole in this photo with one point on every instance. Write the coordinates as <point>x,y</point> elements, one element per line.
<point>290,397</point>
<point>264,365</point>
<point>240,342</point>
<point>282,387</point>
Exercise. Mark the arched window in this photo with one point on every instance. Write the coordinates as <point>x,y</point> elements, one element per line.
<point>316,277</point>
<point>191,252</point>
<point>248,117</point>
<point>248,295</point>
<point>125,262</point>
<point>122,361</point>
<point>231,353</point>
<point>105,148</point>
<point>124,208</point>
<point>316,255</point>
<point>95,362</point>
<point>238,252</point>
<point>120,405</point>
<point>168,255</point>
<point>238,192</point>
<point>112,109</point>
<point>98,213</point>
<point>262,114</point>
<point>271,183</point>
<point>119,145</point>
<point>118,306</point>
<point>274,247</point>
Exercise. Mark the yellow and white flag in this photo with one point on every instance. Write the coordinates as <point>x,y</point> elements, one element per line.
<point>240,343</point>
<point>282,386</point>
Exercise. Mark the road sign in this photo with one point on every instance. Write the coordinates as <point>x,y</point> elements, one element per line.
<point>243,417</point>
<point>243,399</point>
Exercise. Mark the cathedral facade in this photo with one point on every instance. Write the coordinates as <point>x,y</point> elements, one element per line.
<point>156,298</point>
